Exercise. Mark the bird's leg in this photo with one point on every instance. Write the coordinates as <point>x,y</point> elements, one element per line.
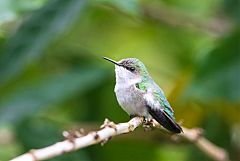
<point>133,115</point>
<point>147,122</point>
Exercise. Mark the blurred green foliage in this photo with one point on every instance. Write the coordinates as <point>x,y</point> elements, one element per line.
<point>52,75</point>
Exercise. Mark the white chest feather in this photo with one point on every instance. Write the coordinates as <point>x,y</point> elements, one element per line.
<point>129,97</point>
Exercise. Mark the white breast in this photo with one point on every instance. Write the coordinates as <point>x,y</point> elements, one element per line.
<point>129,97</point>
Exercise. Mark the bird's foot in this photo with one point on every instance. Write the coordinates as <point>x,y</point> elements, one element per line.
<point>148,124</point>
<point>133,115</point>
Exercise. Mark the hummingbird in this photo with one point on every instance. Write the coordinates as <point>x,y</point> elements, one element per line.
<point>139,95</point>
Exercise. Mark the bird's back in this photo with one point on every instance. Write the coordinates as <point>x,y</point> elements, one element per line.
<point>160,96</point>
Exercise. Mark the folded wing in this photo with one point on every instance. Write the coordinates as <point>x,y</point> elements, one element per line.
<point>162,113</point>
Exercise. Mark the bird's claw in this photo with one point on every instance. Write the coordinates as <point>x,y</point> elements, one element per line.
<point>132,116</point>
<point>148,124</point>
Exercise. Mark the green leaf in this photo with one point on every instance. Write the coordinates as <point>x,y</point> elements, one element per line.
<point>49,91</point>
<point>36,34</point>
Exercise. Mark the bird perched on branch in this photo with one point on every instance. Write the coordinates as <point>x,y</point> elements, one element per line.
<point>139,95</point>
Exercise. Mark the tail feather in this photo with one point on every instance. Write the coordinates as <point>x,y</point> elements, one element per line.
<point>165,120</point>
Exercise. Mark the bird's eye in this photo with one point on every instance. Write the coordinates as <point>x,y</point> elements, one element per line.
<point>132,69</point>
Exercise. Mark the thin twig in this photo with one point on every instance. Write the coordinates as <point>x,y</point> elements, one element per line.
<point>108,130</point>
<point>195,136</point>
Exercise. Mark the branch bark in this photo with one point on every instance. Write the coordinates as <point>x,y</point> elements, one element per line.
<point>108,130</point>
<point>195,136</point>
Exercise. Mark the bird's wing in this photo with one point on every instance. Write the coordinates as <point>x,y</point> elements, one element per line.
<point>159,108</point>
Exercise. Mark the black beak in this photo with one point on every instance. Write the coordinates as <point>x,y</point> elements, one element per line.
<point>112,61</point>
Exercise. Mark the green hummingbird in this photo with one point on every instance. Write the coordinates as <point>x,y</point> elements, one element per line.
<point>139,95</point>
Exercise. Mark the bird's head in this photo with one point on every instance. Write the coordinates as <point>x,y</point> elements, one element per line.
<point>129,68</point>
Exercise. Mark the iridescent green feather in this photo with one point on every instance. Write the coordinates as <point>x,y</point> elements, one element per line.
<point>150,84</point>
<point>142,86</point>
<point>158,94</point>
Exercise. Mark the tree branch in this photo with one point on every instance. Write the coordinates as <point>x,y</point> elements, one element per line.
<point>211,150</point>
<point>108,130</point>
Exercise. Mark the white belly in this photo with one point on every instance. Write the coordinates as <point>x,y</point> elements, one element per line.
<point>131,99</point>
